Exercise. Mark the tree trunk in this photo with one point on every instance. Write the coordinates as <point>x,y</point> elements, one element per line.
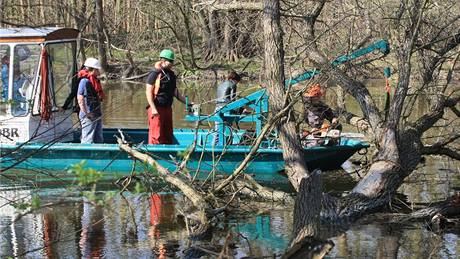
<point>1,13</point>
<point>227,44</point>
<point>309,195</point>
<point>42,12</point>
<point>228,49</point>
<point>100,34</point>
<point>341,104</point>
<point>293,154</point>
<point>29,13</point>
<point>211,47</point>
<point>189,33</point>
<point>80,23</point>
<point>398,149</point>
<point>309,187</point>
<point>22,9</point>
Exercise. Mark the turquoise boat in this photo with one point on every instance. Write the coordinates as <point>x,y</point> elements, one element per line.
<point>43,137</point>
<point>267,165</point>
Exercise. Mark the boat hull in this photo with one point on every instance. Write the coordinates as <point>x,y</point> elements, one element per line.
<point>206,160</point>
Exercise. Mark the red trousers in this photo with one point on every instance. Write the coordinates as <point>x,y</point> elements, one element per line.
<point>160,126</point>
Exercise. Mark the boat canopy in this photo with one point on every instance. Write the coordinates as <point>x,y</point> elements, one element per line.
<point>15,35</point>
<point>38,73</point>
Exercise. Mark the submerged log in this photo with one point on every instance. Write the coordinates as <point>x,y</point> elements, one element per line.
<point>436,213</point>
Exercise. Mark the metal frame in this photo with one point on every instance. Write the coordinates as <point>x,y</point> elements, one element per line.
<point>258,101</point>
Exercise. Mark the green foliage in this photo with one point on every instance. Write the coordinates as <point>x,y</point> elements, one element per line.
<point>100,200</point>
<point>109,195</point>
<point>139,188</point>
<point>21,205</point>
<point>35,202</point>
<point>185,171</point>
<point>84,176</point>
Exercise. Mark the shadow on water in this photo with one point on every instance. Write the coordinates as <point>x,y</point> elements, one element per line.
<point>147,226</point>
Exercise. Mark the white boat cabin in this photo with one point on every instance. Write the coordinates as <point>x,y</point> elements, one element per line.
<point>38,70</point>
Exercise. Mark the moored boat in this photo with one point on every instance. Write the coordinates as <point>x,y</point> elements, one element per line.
<point>35,133</point>
<point>267,165</point>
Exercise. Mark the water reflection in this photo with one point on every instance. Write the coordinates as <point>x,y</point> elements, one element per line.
<point>92,236</point>
<point>437,180</point>
<point>146,226</point>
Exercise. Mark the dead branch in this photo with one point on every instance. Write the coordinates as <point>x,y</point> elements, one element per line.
<point>446,141</point>
<point>195,197</point>
<point>249,187</point>
<point>448,208</point>
<point>135,77</point>
<point>455,111</point>
<point>255,146</point>
<point>237,5</point>
<point>202,226</point>
<point>445,151</point>
<point>427,121</point>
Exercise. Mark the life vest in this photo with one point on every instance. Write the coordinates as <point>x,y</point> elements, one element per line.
<point>156,86</point>
<point>163,87</point>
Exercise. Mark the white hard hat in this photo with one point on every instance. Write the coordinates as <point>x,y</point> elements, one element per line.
<point>23,52</point>
<point>93,63</point>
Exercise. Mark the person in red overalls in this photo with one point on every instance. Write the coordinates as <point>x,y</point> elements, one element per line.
<point>160,91</point>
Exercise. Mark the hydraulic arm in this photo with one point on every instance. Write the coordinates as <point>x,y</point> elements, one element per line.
<point>258,101</point>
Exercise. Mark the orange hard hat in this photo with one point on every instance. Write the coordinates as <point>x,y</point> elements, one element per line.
<point>314,91</point>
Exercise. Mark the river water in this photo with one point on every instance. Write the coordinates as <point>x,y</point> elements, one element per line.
<point>144,225</point>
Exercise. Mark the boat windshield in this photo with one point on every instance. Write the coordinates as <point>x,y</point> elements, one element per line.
<point>25,67</point>
<point>63,63</point>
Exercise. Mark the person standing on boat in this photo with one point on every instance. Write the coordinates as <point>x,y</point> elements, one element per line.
<point>316,111</point>
<point>160,91</point>
<point>90,97</point>
<point>226,93</point>
<point>5,64</point>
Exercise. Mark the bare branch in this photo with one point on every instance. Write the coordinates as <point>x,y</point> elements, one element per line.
<point>405,64</point>
<point>425,122</point>
<point>186,188</point>
<point>455,110</point>
<point>236,5</point>
<point>445,151</point>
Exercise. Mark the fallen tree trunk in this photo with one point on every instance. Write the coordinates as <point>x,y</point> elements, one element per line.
<point>249,187</point>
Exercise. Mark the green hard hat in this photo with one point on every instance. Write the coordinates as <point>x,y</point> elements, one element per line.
<point>167,54</point>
